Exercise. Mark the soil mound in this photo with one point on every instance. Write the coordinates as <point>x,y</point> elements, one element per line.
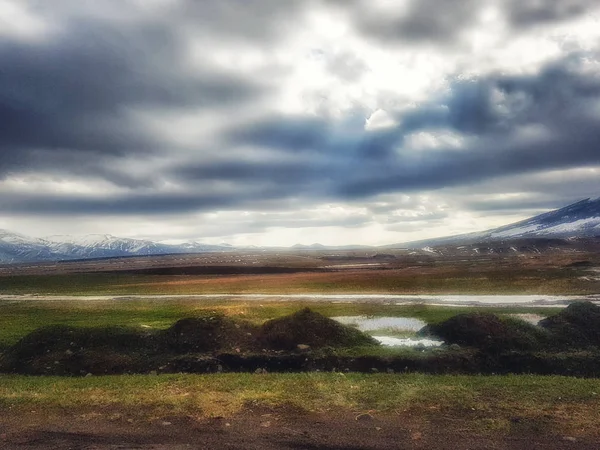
<point>64,350</point>
<point>488,332</point>
<point>63,338</point>
<point>209,333</point>
<point>577,325</point>
<point>307,327</point>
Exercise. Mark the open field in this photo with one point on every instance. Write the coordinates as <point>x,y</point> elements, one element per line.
<point>314,272</point>
<point>419,280</point>
<point>366,281</point>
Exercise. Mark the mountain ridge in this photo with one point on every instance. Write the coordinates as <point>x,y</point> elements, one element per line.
<point>579,219</point>
<point>18,248</point>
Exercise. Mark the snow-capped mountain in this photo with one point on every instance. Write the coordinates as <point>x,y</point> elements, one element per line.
<point>105,245</point>
<point>580,219</point>
<point>16,248</point>
<point>577,220</point>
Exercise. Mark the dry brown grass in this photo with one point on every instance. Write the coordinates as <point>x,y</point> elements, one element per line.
<point>399,281</point>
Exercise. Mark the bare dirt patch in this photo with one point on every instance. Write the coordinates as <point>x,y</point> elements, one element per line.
<point>262,428</point>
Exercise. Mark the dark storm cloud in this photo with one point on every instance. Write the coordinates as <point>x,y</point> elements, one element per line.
<point>73,91</point>
<point>60,164</point>
<point>230,20</point>
<point>286,174</point>
<point>341,160</point>
<point>470,108</point>
<point>257,20</point>
<point>500,103</point>
<point>490,112</point>
<point>343,140</point>
<point>424,21</point>
<point>445,22</point>
<point>292,133</point>
<point>574,139</point>
<point>523,14</point>
<point>156,203</point>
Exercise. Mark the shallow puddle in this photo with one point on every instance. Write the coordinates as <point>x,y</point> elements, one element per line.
<point>391,325</point>
<point>389,341</point>
<point>366,323</point>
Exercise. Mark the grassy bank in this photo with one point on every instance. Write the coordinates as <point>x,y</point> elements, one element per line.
<point>499,403</point>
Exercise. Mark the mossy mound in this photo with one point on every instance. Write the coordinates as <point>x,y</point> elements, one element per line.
<point>489,332</point>
<point>578,325</point>
<point>208,333</point>
<point>307,327</point>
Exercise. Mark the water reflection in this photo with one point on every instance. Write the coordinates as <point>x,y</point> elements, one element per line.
<point>366,323</point>
<point>389,341</point>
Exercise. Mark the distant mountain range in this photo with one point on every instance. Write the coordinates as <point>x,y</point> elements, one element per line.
<point>581,219</point>
<point>16,248</point>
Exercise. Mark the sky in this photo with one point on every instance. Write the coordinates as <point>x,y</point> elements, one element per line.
<point>270,122</point>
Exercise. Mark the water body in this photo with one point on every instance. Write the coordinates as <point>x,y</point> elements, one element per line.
<point>389,341</point>
<point>391,324</point>
<point>441,300</point>
<point>365,323</point>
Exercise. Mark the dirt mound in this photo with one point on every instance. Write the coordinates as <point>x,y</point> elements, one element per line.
<point>209,333</point>
<point>489,332</point>
<point>74,350</point>
<point>307,327</point>
<point>577,325</point>
<point>64,338</point>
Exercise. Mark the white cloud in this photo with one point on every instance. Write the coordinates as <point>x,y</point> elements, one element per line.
<point>434,139</point>
<point>17,20</point>
<point>380,119</point>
